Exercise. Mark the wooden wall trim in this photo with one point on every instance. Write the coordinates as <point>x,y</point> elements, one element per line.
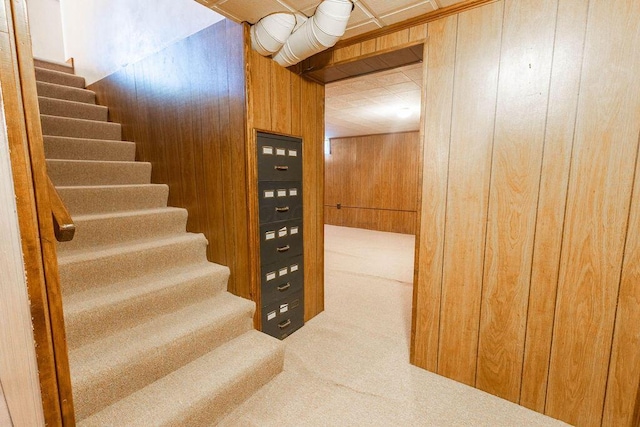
<point>39,246</point>
<point>414,22</point>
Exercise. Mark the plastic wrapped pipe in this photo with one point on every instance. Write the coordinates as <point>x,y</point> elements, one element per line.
<point>318,33</point>
<point>270,33</point>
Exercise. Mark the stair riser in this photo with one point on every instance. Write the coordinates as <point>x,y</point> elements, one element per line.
<point>76,128</point>
<point>53,66</point>
<point>107,231</point>
<point>50,90</point>
<point>86,327</point>
<point>83,201</point>
<point>64,173</point>
<point>81,275</point>
<point>61,147</point>
<point>217,406</point>
<point>59,77</point>
<point>76,110</point>
<point>94,394</point>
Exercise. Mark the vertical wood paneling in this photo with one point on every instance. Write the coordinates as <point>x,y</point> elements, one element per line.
<point>185,109</point>
<point>563,98</point>
<point>440,53</point>
<point>375,179</point>
<point>281,101</point>
<point>624,370</point>
<point>599,195</point>
<point>523,89</point>
<point>476,77</point>
<point>294,104</point>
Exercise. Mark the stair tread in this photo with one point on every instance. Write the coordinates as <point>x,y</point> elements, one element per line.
<point>74,105</point>
<point>120,291</point>
<point>103,355</point>
<point>66,88</point>
<point>89,254</point>
<point>87,140</point>
<point>208,377</point>
<point>71,80</point>
<point>127,214</point>
<point>44,63</point>
<point>84,121</point>
<point>96,162</point>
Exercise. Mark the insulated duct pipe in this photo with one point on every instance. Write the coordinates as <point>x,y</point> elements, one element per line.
<point>320,32</point>
<point>271,32</point>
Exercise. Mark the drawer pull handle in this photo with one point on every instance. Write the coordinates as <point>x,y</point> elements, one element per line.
<point>284,248</point>
<point>284,287</point>
<point>283,209</point>
<point>282,168</point>
<point>285,324</point>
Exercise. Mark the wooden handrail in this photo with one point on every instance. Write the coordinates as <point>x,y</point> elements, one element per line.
<point>63,225</point>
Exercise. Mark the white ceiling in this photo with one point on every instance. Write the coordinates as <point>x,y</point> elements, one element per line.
<point>370,104</point>
<point>368,15</point>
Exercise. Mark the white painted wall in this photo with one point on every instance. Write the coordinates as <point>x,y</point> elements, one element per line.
<point>105,35</point>
<point>45,24</point>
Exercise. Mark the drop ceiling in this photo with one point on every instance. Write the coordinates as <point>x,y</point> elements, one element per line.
<point>368,15</point>
<point>373,103</point>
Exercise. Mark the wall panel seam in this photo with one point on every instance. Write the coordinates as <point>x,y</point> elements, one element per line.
<point>566,205</point>
<point>493,140</point>
<point>535,233</point>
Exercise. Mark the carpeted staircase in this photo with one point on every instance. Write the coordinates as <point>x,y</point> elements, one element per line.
<point>154,338</point>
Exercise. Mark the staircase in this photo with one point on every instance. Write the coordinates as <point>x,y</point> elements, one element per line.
<point>153,336</point>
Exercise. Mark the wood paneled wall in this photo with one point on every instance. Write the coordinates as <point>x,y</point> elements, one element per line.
<point>283,102</point>
<point>527,260</point>
<point>193,110</point>
<point>375,180</point>
<point>185,109</point>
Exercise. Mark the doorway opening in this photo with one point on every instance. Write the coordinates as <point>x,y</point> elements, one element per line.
<point>372,185</point>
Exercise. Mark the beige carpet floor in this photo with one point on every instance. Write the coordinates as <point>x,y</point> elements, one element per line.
<point>349,366</point>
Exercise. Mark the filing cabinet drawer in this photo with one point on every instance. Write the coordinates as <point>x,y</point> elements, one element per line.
<point>280,241</point>
<point>279,158</point>
<point>281,280</point>
<point>284,317</point>
<point>280,200</point>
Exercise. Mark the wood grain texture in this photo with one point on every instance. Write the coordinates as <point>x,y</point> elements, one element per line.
<point>185,109</point>
<point>563,97</point>
<point>476,77</point>
<point>598,202</point>
<point>375,178</point>
<point>624,369</point>
<point>523,90</point>
<point>438,103</point>
<point>21,260</point>
<point>5,417</point>
<point>34,213</point>
<point>295,107</point>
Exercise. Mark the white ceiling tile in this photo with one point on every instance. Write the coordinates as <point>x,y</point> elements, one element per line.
<point>361,29</point>
<point>251,11</point>
<point>384,7</point>
<point>404,14</point>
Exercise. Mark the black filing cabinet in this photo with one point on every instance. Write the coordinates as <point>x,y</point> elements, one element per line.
<point>281,231</point>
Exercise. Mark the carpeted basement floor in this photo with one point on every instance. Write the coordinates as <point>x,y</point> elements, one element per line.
<point>349,366</point>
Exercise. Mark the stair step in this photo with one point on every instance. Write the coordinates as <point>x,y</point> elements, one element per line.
<point>80,128</point>
<point>96,313</point>
<point>84,270</point>
<point>92,172</point>
<point>51,65</point>
<point>202,392</point>
<point>74,109</point>
<point>59,77</point>
<point>93,231</point>
<point>112,368</point>
<point>68,148</point>
<point>84,200</point>
<point>52,90</point>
